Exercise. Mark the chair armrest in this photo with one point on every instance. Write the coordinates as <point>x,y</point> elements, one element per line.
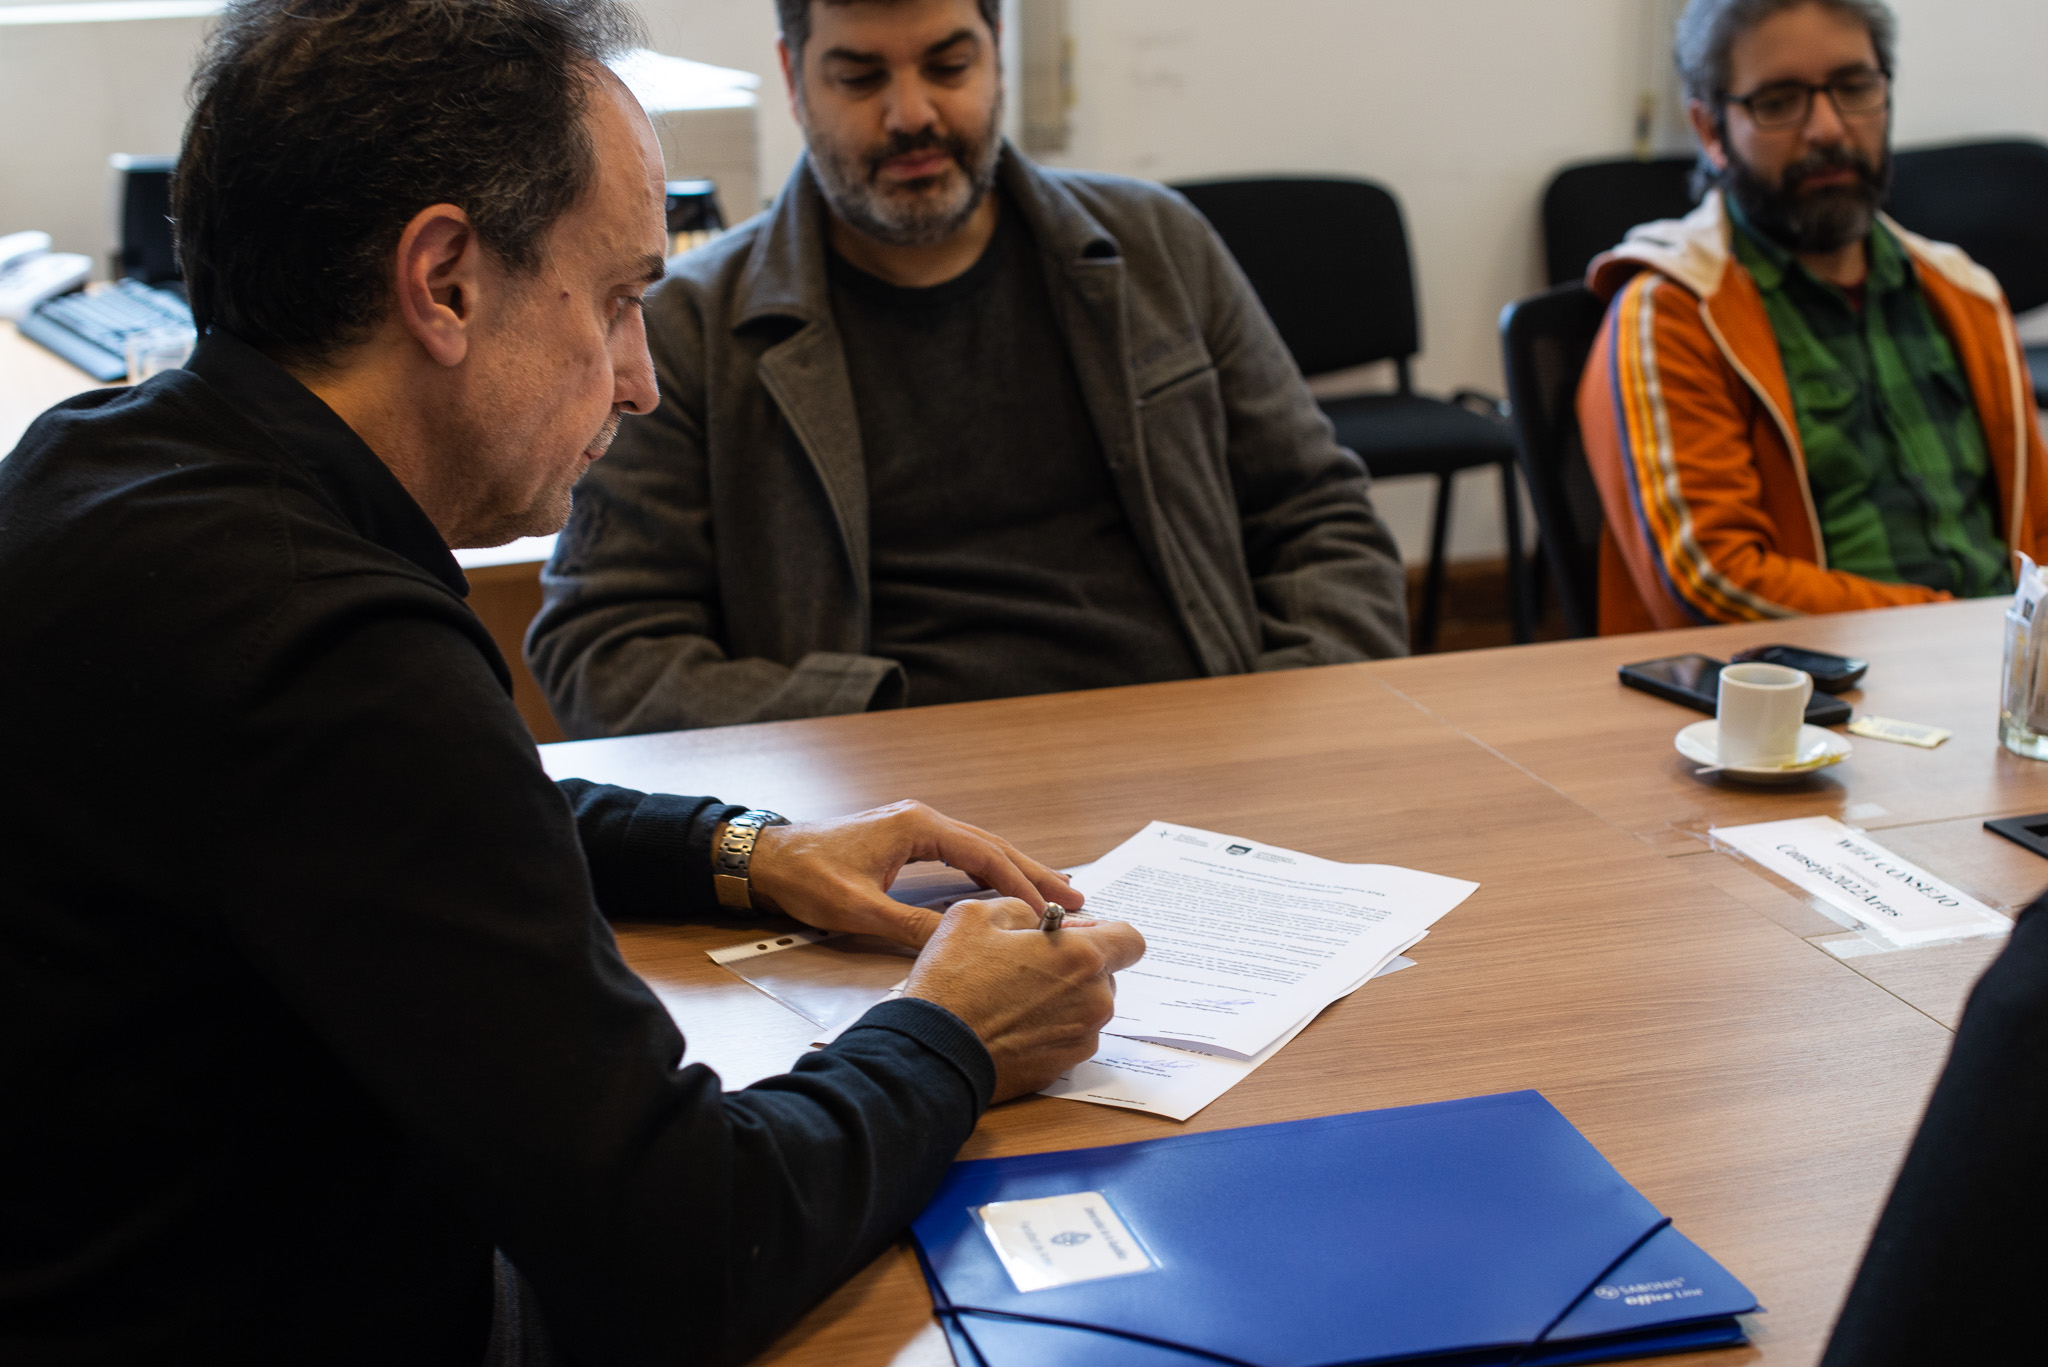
<point>1480,402</point>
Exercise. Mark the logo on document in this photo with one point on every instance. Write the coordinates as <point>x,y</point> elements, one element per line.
<point>1607,1293</point>
<point>1237,849</point>
<point>1069,1238</point>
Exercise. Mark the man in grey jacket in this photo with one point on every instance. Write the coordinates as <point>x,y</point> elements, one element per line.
<point>943,425</point>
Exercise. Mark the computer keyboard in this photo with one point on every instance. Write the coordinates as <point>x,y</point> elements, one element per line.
<point>91,330</point>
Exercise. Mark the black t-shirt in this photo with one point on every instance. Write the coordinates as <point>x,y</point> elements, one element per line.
<point>1001,561</point>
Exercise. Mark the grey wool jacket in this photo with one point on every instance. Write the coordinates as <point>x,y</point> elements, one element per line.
<point>715,569</point>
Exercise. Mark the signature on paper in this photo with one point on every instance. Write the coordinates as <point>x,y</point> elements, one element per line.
<point>1154,1066</point>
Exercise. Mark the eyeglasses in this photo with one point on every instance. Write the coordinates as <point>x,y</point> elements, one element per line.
<point>1788,104</point>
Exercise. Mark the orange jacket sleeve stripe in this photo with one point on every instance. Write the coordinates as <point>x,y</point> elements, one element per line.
<point>1650,466</point>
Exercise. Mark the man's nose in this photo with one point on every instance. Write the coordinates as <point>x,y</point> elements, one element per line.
<point>634,389</point>
<point>1824,123</point>
<point>910,109</point>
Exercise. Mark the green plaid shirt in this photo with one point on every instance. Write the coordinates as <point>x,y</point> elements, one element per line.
<point>1894,451</point>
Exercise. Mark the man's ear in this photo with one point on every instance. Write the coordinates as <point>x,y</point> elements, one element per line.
<point>1709,130</point>
<point>792,79</point>
<point>439,272</point>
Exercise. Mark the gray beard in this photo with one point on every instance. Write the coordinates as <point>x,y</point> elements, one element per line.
<point>1806,223</point>
<point>848,182</point>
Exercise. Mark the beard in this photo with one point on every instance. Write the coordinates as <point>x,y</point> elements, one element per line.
<point>607,434</point>
<point>1823,220</point>
<point>914,213</point>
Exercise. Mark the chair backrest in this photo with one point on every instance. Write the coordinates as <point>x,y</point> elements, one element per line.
<point>1590,207</point>
<point>1990,199</point>
<point>1329,260</point>
<point>1545,340</point>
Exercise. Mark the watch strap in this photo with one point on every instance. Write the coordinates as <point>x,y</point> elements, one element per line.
<point>732,857</point>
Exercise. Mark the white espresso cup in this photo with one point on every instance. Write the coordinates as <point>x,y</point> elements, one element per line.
<point>1760,710</point>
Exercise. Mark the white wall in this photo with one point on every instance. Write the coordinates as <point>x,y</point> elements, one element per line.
<point>738,34</point>
<point>71,95</point>
<point>1463,107</point>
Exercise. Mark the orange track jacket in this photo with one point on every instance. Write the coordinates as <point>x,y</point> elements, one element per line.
<point>1689,429</point>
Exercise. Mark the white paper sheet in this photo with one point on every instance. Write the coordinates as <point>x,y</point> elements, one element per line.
<point>1178,1079</point>
<point>1175,1083</point>
<point>1895,899</point>
<point>1244,940</point>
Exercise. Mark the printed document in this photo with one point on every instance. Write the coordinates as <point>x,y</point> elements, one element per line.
<point>1894,899</point>
<point>1170,1081</point>
<point>1246,944</point>
<point>1244,941</point>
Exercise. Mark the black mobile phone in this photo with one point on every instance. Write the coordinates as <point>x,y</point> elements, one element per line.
<point>2029,832</point>
<point>1831,673</point>
<point>1695,681</point>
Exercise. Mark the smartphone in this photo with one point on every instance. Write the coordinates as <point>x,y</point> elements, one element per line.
<point>1831,673</point>
<point>1695,681</point>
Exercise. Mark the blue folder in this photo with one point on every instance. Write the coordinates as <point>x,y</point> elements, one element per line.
<point>1471,1232</point>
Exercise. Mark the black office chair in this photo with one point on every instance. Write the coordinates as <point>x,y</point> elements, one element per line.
<point>1990,199</point>
<point>1544,342</point>
<point>1590,207</point>
<point>1329,260</point>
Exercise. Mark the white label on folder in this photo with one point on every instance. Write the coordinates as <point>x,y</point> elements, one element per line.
<point>1059,1240</point>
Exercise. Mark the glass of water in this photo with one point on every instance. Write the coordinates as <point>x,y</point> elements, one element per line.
<point>157,350</point>
<point>2023,694</point>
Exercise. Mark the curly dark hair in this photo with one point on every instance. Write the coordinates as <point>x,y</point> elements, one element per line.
<point>320,127</point>
<point>795,18</point>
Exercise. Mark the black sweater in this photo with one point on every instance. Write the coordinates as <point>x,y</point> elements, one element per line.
<point>306,1001</point>
<point>1956,1261</point>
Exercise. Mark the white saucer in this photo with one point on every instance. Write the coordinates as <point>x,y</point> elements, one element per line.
<point>1818,748</point>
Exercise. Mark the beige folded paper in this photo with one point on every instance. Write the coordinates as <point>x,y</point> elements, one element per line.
<point>1904,732</point>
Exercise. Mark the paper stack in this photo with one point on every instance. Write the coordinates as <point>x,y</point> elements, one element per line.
<point>1245,944</point>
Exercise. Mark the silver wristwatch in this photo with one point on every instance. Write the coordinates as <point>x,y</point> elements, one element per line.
<point>732,857</point>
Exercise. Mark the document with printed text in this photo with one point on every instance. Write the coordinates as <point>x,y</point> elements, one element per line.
<point>1246,944</point>
<point>1245,941</point>
<point>1170,1080</point>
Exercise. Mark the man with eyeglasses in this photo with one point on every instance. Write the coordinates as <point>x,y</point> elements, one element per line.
<point>1795,405</point>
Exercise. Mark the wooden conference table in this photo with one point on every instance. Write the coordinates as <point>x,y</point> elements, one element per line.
<point>1756,1088</point>
<point>31,380</point>
<point>1557,712</point>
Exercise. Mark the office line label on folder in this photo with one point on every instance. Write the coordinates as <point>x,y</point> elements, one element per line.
<point>1060,1240</point>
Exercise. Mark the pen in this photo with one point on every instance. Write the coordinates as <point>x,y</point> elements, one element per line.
<point>1054,914</point>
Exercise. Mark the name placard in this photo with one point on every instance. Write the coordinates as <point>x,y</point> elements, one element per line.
<point>1893,898</point>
